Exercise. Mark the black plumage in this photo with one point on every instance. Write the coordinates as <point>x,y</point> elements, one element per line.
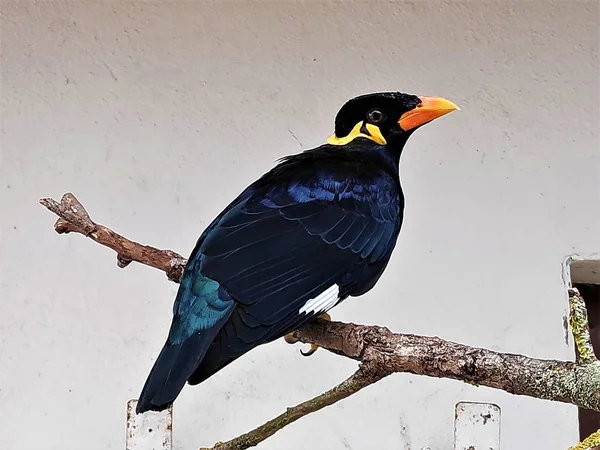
<point>317,228</point>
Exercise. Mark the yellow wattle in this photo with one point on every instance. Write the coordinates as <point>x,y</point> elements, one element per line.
<point>373,130</point>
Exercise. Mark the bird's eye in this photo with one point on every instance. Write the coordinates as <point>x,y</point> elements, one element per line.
<point>375,116</point>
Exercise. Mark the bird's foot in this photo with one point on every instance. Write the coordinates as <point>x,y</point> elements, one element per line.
<point>291,339</point>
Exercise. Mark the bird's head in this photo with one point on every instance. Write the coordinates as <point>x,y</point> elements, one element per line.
<point>386,117</point>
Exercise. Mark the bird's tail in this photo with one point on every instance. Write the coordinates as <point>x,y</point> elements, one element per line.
<point>174,365</point>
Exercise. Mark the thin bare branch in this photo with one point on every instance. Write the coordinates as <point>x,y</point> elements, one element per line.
<point>73,218</point>
<point>367,374</point>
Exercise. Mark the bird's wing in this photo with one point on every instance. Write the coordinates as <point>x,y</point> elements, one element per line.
<point>288,248</point>
<point>295,247</point>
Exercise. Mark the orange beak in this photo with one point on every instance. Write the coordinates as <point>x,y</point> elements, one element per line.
<point>429,109</point>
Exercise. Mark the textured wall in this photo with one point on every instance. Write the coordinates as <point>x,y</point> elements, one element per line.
<point>157,114</point>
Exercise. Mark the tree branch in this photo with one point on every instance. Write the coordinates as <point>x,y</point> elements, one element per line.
<point>73,218</point>
<point>562,381</point>
<point>367,374</point>
<point>380,351</point>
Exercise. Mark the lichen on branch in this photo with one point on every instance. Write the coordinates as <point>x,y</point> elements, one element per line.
<point>592,441</point>
<point>578,320</point>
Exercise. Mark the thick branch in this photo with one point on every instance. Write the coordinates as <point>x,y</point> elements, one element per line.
<point>379,349</point>
<point>386,352</point>
<point>561,381</point>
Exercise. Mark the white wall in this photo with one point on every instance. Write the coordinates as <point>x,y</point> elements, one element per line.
<point>156,114</point>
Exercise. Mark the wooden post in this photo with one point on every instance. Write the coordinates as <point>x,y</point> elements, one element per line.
<point>476,426</point>
<point>149,431</point>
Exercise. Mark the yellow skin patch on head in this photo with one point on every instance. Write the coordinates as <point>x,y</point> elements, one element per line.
<point>373,130</point>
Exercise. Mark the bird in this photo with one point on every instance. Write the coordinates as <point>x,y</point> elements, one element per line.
<point>317,228</point>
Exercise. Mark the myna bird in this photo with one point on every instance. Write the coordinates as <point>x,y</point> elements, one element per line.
<point>317,228</point>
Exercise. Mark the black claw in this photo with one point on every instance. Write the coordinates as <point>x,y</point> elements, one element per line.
<point>310,352</point>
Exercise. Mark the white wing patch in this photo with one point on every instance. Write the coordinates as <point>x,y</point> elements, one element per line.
<point>322,302</point>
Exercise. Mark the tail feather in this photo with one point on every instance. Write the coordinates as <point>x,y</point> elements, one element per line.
<point>201,308</point>
<point>174,365</point>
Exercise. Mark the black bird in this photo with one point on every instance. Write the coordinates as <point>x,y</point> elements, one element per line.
<point>316,229</point>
